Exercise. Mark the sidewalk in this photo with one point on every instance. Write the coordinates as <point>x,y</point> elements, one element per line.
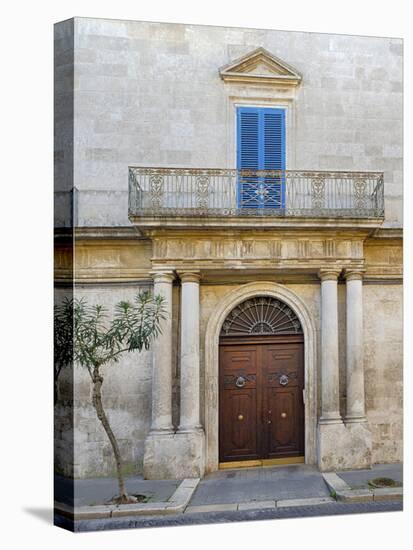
<point>259,487</point>
<point>358,479</point>
<point>98,491</point>
<point>242,489</point>
<point>358,486</point>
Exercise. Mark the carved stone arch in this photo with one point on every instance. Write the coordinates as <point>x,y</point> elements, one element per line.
<point>212,335</point>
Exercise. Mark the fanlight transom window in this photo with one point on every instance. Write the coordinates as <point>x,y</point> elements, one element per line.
<point>260,316</point>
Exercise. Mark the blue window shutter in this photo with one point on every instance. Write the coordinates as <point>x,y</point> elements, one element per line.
<point>248,143</point>
<point>261,146</point>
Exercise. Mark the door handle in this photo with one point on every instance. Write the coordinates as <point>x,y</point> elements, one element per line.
<point>283,415</point>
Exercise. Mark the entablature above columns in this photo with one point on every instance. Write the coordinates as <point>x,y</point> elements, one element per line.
<point>259,251</point>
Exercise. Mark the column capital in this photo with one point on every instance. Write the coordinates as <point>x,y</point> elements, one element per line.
<point>193,276</point>
<point>354,274</point>
<point>162,276</point>
<point>329,273</point>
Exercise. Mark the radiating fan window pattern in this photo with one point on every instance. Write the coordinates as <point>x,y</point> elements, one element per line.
<point>259,316</point>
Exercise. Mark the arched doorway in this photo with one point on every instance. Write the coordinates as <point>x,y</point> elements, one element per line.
<point>261,383</point>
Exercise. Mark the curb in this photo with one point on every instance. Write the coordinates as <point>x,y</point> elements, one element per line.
<point>258,505</point>
<point>175,505</point>
<point>344,493</point>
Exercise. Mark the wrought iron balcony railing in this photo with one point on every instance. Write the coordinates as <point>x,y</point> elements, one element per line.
<point>190,192</point>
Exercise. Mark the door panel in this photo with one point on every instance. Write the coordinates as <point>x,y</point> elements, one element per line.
<point>261,410</point>
<point>238,403</point>
<point>283,434</point>
<point>283,401</point>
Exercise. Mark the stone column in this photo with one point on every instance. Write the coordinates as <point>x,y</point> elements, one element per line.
<point>355,411</point>
<point>160,447</point>
<point>162,360</point>
<point>340,445</point>
<point>189,410</point>
<point>330,399</point>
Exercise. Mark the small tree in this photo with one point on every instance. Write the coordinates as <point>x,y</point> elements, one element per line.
<point>84,335</point>
<point>63,340</point>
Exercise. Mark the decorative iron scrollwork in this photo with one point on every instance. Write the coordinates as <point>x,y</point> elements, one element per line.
<point>318,192</point>
<point>215,192</point>
<point>202,191</point>
<point>360,196</point>
<point>156,183</point>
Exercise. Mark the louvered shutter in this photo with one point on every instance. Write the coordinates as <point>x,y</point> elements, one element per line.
<point>261,146</point>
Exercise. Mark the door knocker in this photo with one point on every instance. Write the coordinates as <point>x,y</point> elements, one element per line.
<point>283,380</point>
<point>240,382</point>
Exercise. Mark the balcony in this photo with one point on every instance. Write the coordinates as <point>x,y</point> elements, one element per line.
<point>213,197</point>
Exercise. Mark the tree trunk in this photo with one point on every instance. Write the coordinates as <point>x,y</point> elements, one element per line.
<point>97,403</point>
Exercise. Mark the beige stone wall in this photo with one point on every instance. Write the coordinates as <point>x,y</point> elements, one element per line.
<point>383,364</point>
<point>126,397</point>
<point>127,386</point>
<point>161,81</point>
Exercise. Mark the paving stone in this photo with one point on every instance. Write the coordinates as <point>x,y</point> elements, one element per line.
<point>388,493</point>
<point>212,508</point>
<point>304,502</point>
<point>355,495</point>
<point>256,505</point>
<point>93,512</point>
<point>190,482</point>
<point>181,494</point>
<point>140,509</point>
<point>335,482</point>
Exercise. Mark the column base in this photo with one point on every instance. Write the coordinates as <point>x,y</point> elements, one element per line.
<point>344,446</point>
<point>174,456</point>
<point>352,419</point>
<point>333,419</point>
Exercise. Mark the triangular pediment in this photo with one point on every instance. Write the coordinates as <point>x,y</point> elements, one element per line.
<point>260,67</point>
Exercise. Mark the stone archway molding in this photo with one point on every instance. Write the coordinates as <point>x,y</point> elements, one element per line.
<point>218,316</point>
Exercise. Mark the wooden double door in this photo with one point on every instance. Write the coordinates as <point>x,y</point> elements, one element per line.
<point>261,409</point>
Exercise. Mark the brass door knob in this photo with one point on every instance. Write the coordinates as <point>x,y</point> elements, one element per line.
<point>283,415</point>
<point>240,417</point>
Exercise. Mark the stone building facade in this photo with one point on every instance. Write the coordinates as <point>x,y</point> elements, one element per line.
<point>147,157</point>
